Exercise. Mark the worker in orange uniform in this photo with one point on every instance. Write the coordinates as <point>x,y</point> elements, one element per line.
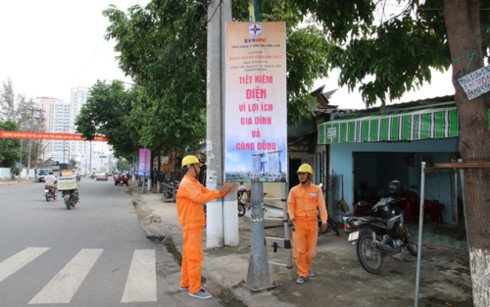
<point>191,197</point>
<point>303,202</point>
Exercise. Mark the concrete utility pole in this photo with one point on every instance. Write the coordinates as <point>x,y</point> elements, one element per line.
<point>258,277</point>
<point>222,217</point>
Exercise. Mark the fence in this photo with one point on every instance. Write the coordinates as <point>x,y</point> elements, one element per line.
<point>6,174</point>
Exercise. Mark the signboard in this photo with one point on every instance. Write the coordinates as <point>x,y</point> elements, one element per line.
<point>477,83</point>
<point>144,166</point>
<point>67,173</point>
<point>67,183</point>
<point>48,136</point>
<point>256,114</point>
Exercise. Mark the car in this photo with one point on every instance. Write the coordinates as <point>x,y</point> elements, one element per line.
<point>101,176</point>
<point>121,179</point>
<point>41,174</point>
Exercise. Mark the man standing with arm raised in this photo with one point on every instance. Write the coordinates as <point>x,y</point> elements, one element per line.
<point>191,197</point>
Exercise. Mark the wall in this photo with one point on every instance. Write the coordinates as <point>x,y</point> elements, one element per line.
<point>5,173</point>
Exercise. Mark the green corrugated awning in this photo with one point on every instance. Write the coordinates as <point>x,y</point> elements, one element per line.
<point>398,125</point>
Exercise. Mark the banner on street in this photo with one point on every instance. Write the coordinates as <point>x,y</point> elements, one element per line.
<point>256,100</point>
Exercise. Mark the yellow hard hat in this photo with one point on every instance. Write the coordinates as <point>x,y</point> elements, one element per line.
<point>190,160</point>
<point>305,168</point>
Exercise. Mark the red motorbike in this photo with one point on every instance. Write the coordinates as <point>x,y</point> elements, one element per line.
<point>49,192</point>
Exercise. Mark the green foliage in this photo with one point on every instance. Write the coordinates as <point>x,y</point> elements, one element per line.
<point>105,113</point>
<point>9,148</point>
<point>163,48</point>
<point>74,163</point>
<point>389,56</point>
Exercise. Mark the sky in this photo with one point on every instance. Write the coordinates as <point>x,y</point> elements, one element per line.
<point>51,46</point>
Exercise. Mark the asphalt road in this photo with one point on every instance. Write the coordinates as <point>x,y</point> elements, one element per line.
<point>93,255</point>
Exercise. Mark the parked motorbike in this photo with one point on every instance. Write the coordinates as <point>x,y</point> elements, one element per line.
<point>49,192</point>
<point>71,198</point>
<point>169,189</point>
<point>377,237</point>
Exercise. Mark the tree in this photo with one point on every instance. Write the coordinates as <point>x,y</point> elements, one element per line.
<point>16,108</point>
<point>9,148</point>
<point>163,48</point>
<point>105,113</point>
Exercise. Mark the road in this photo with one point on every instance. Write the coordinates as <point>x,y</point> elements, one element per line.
<point>93,255</point>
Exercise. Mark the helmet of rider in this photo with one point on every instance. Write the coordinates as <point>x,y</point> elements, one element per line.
<point>395,188</point>
<point>305,168</point>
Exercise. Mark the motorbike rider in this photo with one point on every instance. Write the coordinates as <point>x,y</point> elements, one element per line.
<point>303,202</point>
<point>50,180</point>
<point>242,189</point>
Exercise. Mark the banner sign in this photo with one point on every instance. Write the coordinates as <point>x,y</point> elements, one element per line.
<point>256,114</point>
<point>48,136</point>
<point>477,83</point>
<point>145,159</point>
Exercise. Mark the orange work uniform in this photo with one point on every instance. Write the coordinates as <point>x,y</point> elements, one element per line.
<point>191,197</point>
<point>302,206</point>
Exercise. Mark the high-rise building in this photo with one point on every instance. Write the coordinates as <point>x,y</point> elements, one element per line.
<point>78,98</point>
<point>56,113</point>
<point>60,118</point>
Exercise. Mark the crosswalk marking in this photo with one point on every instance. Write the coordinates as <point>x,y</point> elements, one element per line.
<point>11,265</point>
<point>65,284</point>
<point>141,282</point>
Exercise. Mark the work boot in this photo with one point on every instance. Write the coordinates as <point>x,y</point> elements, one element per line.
<point>300,280</point>
<point>310,273</point>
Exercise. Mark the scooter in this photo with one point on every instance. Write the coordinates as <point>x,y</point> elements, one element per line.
<point>49,192</point>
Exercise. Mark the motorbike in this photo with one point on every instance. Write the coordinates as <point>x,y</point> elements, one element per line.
<point>49,192</point>
<point>70,198</point>
<point>243,202</point>
<point>376,237</point>
<point>169,190</point>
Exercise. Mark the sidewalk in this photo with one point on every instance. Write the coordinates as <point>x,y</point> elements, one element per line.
<point>339,281</point>
<point>15,181</point>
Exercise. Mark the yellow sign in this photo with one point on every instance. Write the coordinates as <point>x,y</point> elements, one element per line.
<point>67,173</point>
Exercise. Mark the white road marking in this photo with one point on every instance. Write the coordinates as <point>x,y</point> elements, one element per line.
<point>141,285</point>
<point>66,283</point>
<point>14,263</point>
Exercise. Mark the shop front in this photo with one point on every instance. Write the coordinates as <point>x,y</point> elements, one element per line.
<point>369,149</point>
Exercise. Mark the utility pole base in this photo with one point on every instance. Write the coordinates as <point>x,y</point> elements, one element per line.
<point>258,278</point>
